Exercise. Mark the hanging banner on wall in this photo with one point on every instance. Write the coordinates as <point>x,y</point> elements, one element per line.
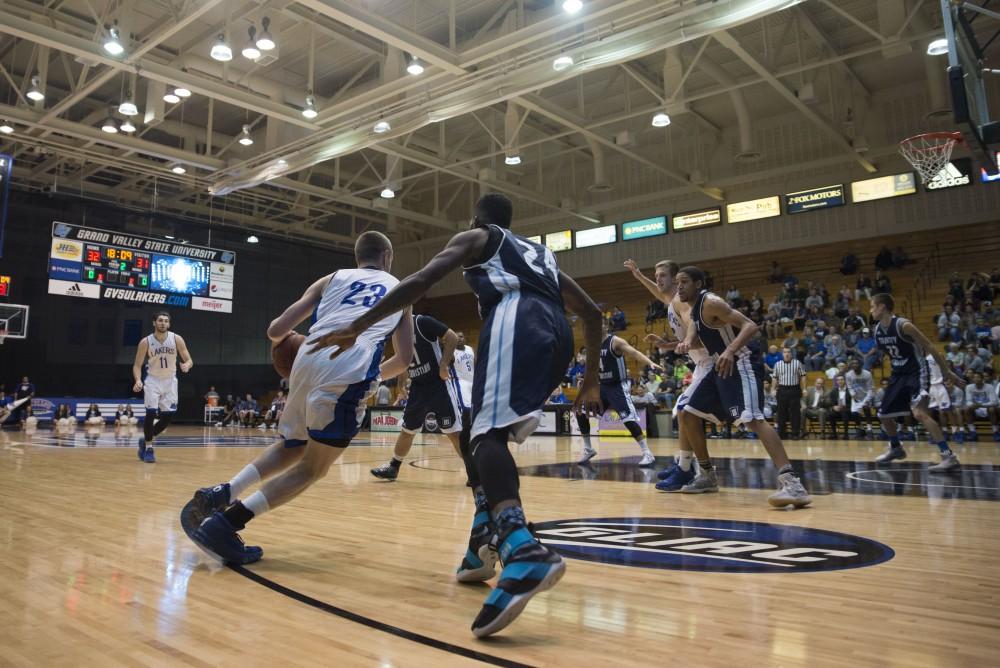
<point>559,241</point>
<point>695,219</point>
<point>754,209</point>
<point>647,227</point>
<point>956,173</point>
<point>817,198</point>
<point>596,236</point>
<point>883,187</point>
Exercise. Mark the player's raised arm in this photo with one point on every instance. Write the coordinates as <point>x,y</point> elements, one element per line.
<point>580,303</point>
<point>140,357</point>
<point>186,361</point>
<point>915,335</point>
<point>402,345</point>
<point>283,325</point>
<point>649,284</point>
<point>622,347</point>
<point>449,342</point>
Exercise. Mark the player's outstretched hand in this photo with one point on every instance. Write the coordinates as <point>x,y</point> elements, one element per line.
<point>631,266</point>
<point>343,338</point>
<point>956,379</point>
<point>682,348</point>
<point>588,399</point>
<point>137,387</point>
<point>656,367</point>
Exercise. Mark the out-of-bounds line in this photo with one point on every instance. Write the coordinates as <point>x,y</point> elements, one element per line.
<point>375,624</point>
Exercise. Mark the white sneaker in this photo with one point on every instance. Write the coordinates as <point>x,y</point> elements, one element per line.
<point>648,459</point>
<point>703,483</point>
<point>588,454</point>
<point>790,491</point>
<point>949,463</point>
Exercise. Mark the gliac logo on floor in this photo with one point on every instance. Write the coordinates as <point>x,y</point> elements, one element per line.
<point>709,545</point>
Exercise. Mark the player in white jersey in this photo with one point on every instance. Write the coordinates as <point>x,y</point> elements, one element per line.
<point>682,471</point>
<point>465,365</point>
<point>325,406</point>
<point>158,352</point>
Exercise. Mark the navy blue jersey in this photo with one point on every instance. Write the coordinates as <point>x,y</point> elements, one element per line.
<point>426,350</point>
<point>613,370</point>
<point>515,265</point>
<point>904,355</point>
<point>715,340</point>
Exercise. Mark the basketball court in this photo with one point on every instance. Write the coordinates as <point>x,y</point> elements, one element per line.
<point>700,129</point>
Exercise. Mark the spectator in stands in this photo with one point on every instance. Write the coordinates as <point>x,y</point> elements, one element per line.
<point>834,371</point>
<point>776,275</point>
<point>273,415</point>
<point>956,414</point>
<point>799,317</point>
<point>770,402</point>
<point>849,264</point>
<point>212,397</point>
<point>883,260</point>
<point>230,412</point>
<point>791,342</point>
<point>984,336</point>
<point>93,415</point>
<point>558,396</point>
<point>248,410</point>
<point>403,395</point>
<point>981,404</point>
<point>772,324</point>
<point>756,302</point>
<point>973,362</point>
<point>841,407</point>
<point>899,258</point>
<point>383,395</point>
<point>863,288</point>
<point>814,404</point>
<point>733,295</point>
<point>815,359</point>
<point>882,283</point>
<point>956,290</point>
<point>25,389</point>
<point>842,305</point>
<point>814,300</point>
<point>821,330</point>
<point>880,394</point>
<point>651,381</point>
<point>836,351</point>
<point>955,357</point>
<point>63,417</point>
<point>856,319</point>
<point>980,291</point>
<point>575,372</point>
<point>655,310</point>
<point>995,335</point>
<point>641,396</point>
<point>773,357</point>
<point>667,394</point>
<point>124,416</point>
<point>618,322</point>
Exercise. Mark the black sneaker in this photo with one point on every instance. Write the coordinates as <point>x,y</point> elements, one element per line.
<point>387,472</point>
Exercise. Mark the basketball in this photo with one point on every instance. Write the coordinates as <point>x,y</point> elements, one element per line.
<point>283,353</point>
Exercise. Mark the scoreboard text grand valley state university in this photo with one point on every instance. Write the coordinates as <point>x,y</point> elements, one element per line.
<point>90,263</point>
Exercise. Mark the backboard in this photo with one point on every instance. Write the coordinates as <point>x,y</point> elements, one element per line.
<point>13,321</point>
<point>972,30</point>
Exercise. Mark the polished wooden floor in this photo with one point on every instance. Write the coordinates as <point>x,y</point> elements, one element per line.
<point>95,570</point>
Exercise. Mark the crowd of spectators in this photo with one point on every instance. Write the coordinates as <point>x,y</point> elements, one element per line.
<point>246,411</point>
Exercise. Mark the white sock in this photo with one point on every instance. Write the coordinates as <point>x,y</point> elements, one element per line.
<point>685,460</point>
<point>397,458</point>
<point>243,481</point>
<point>257,504</point>
<point>643,446</point>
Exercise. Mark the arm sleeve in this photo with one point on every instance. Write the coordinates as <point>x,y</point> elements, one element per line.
<point>431,328</point>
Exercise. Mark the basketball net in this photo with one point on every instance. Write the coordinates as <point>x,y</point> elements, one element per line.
<point>929,153</point>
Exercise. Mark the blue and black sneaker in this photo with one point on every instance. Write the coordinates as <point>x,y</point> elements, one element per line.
<point>142,448</point>
<point>674,478</point>
<point>208,500</point>
<point>218,539</point>
<point>479,563</point>
<point>148,456</point>
<point>529,568</point>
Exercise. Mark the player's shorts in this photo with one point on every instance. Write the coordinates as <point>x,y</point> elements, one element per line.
<point>432,405</point>
<point>738,398</point>
<point>940,399</point>
<point>701,370</point>
<point>321,404</point>
<point>525,346</point>
<point>160,393</point>
<point>903,394</point>
<point>616,397</point>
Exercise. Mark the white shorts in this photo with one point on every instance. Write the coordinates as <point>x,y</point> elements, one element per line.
<point>940,398</point>
<point>700,371</point>
<point>322,405</point>
<point>160,393</point>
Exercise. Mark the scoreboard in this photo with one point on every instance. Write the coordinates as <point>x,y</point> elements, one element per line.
<point>99,264</point>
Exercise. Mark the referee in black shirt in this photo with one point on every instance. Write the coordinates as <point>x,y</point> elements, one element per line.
<point>789,373</point>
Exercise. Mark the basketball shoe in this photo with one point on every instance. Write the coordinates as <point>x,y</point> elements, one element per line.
<point>588,454</point>
<point>529,568</point>
<point>142,447</point>
<point>148,456</point>
<point>479,563</point>
<point>208,500</point>
<point>949,462</point>
<point>219,540</point>
<point>890,454</point>
<point>704,482</point>
<point>674,478</point>
<point>387,472</point>
<point>790,492</point>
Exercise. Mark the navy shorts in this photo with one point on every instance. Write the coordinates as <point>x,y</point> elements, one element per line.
<point>616,397</point>
<point>433,405</point>
<point>738,398</point>
<point>904,392</point>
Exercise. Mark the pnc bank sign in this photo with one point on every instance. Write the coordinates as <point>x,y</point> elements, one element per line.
<point>709,545</point>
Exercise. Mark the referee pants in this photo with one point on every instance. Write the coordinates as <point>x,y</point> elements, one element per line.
<point>789,408</point>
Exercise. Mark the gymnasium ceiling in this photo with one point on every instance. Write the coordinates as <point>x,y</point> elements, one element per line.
<point>488,91</point>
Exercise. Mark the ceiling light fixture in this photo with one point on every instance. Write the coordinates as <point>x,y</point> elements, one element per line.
<point>282,162</point>
<point>310,109</point>
<point>110,126</point>
<point>127,126</point>
<point>245,137</point>
<point>169,236</point>
<point>661,119</point>
<point>6,127</point>
<point>127,107</point>
<point>512,159</point>
<point>250,51</point>
<point>181,91</point>
<point>265,42</point>
<point>381,127</point>
<point>572,6</point>
<point>938,47</point>
<point>388,193</point>
<point>178,169</point>
<point>171,97</point>
<point>113,44</point>
<point>562,62</point>
<point>252,239</point>
<point>415,67</point>
<point>220,50</point>
<point>35,92</point>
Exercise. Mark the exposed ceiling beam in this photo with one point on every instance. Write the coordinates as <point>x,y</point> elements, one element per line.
<point>824,43</point>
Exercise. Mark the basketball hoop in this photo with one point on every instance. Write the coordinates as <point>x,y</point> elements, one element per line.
<point>929,153</point>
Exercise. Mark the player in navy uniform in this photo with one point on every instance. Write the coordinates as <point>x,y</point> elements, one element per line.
<point>158,352</point>
<point>434,395</point>
<point>733,389</point>
<point>909,384</point>
<point>524,348</point>
<point>616,394</point>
